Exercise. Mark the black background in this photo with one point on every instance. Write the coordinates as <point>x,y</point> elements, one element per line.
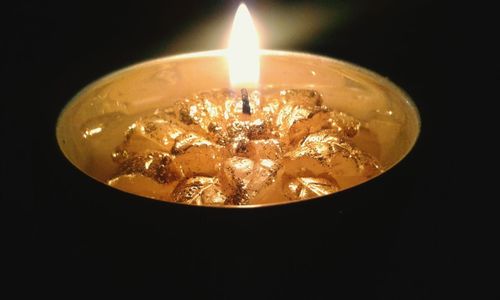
<point>54,49</point>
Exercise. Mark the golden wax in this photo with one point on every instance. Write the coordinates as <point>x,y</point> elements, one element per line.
<point>368,122</point>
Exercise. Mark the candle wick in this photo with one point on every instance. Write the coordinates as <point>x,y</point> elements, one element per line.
<point>246,103</point>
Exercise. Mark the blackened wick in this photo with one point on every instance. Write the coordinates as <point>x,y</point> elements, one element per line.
<point>246,103</point>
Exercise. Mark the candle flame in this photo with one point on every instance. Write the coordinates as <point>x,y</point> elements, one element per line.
<point>243,52</point>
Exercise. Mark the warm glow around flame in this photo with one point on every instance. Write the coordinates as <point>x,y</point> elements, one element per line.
<point>243,52</point>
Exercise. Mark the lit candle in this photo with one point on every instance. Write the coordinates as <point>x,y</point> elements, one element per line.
<point>293,127</point>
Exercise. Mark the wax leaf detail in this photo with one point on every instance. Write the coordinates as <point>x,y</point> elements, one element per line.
<point>308,187</point>
<point>200,191</point>
<point>290,147</point>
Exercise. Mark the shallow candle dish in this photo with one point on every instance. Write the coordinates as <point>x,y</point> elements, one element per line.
<point>94,122</point>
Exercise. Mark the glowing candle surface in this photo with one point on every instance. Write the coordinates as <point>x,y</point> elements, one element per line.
<point>295,127</point>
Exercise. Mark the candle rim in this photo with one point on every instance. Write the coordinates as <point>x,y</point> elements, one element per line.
<point>262,52</point>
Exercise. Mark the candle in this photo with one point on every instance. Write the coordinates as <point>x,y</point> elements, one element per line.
<point>238,127</point>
